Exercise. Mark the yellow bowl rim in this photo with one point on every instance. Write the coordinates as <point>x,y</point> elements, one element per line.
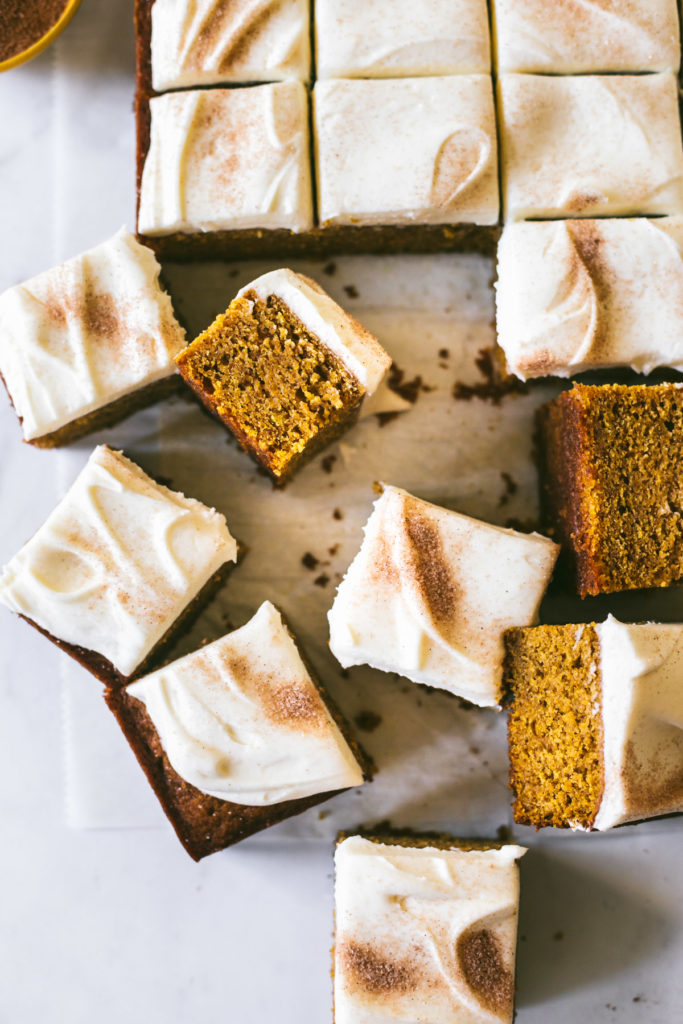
<point>41,44</point>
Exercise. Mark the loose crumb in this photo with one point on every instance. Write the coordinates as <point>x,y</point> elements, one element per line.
<point>322,580</point>
<point>510,488</point>
<point>337,514</point>
<point>351,291</point>
<point>495,385</point>
<point>368,721</point>
<point>333,550</point>
<point>328,463</point>
<point>310,561</point>
<point>330,269</point>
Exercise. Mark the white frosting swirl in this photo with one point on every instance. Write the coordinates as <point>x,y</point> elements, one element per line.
<point>242,720</point>
<point>424,933</point>
<point>641,672</point>
<point>578,295</point>
<point>411,150</point>
<point>83,334</point>
<point>573,37</point>
<point>223,159</point>
<point>341,333</point>
<point>431,592</point>
<point>205,42</point>
<point>564,140</point>
<point>116,562</point>
<point>357,39</point>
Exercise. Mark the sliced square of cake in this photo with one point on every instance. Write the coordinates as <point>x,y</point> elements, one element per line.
<point>357,39</point>
<point>425,930</point>
<point>596,723</point>
<point>406,151</point>
<point>118,567</point>
<point>285,368</point>
<point>88,342</point>
<point>206,42</point>
<point>577,295</point>
<point>222,159</point>
<point>612,483</point>
<point>236,736</point>
<point>431,592</point>
<point>570,38</point>
<point>563,141</point>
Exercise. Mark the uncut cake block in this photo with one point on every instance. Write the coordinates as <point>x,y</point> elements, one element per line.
<point>86,343</point>
<point>563,141</point>
<point>612,477</point>
<point>567,38</point>
<point>206,42</point>
<point>236,736</point>
<point>596,723</point>
<point>356,39</point>
<point>577,295</point>
<point>118,567</point>
<point>425,931</point>
<point>431,592</point>
<point>406,151</point>
<point>285,369</point>
<point>225,159</point>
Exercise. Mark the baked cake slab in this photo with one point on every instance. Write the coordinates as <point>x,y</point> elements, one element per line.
<point>577,295</point>
<point>590,146</point>
<point>596,723</point>
<point>210,42</point>
<point>117,567</point>
<point>431,592</point>
<point>357,39</point>
<point>406,151</point>
<point>285,369</point>
<point>236,736</point>
<point>612,484</point>
<point>566,38</point>
<point>424,931</point>
<point>227,159</point>
<point>88,342</point>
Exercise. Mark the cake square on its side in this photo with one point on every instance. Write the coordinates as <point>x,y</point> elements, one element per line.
<point>424,931</point>
<point>571,39</point>
<point>563,140</point>
<point>596,723</point>
<point>612,483</point>
<point>86,343</point>
<point>406,151</point>
<point>237,736</point>
<point>285,369</point>
<point>578,295</point>
<point>431,592</point>
<point>118,567</point>
<point>356,39</point>
<point>202,42</point>
<point>222,159</point>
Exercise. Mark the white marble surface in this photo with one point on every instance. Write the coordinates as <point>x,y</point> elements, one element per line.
<point>118,924</point>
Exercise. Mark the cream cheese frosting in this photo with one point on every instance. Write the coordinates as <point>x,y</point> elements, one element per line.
<point>411,150</point>
<point>206,42</point>
<point>241,719</point>
<point>357,39</point>
<point>564,139</point>
<point>431,592</point>
<point>424,934</point>
<point>641,675</point>
<point>223,159</point>
<point>86,333</point>
<point>341,333</point>
<point>570,38</point>
<point>116,562</point>
<point>579,295</point>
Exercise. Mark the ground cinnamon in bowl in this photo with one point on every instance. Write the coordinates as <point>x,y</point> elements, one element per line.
<point>24,22</point>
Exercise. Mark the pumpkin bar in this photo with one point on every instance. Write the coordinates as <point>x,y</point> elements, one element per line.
<point>119,566</point>
<point>285,369</point>
<point>596,723</point>
<point>563,140</point>
<point>431,593</point>
<point>612,484</point>
<point>236,736</point>
<point>88,342</point>
<point>425,930</point>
